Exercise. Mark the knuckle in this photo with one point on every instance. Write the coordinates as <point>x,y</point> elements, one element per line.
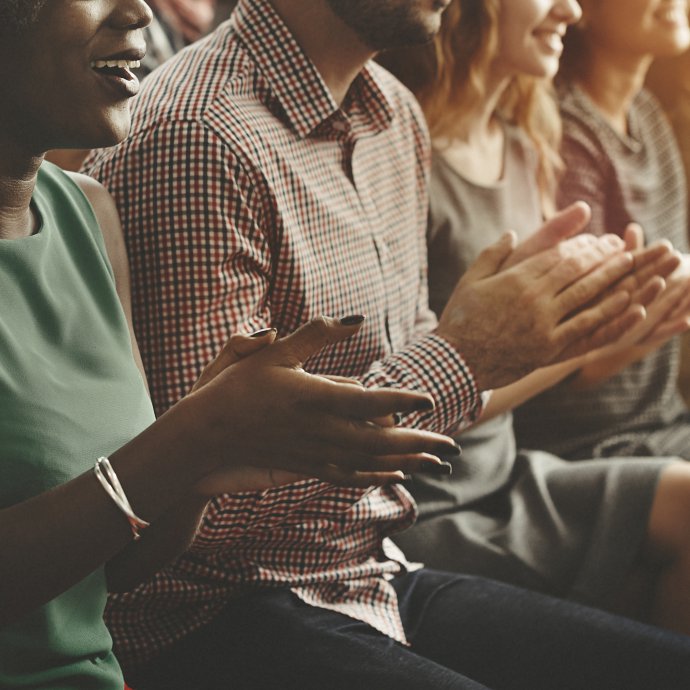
<point>320,326</point>
<point>576,263</point>
<point>579,293</point>
<point>551,341</point>
<point>538,323</point>
<point>562,250</point>
<point>530,294</point>
<point>378,444</point>
<point>515,283</point>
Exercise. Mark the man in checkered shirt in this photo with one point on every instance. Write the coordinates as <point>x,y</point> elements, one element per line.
<point>274,174</point>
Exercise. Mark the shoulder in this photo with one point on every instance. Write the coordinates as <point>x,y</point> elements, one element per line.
<point>651,116</point>
<point>585,141</point>
<point>187,84</point>
<point>403,103</point>
<point>102,203</point>
<point>107,217</point>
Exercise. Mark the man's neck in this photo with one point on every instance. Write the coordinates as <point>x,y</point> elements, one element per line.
<point>334,48</point>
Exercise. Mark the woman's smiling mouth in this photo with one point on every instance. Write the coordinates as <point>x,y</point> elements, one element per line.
<point>117,74</point>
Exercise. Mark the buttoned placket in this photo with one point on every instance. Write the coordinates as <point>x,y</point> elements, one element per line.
<point>390,291</point>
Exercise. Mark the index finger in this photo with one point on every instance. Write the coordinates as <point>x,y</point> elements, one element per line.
<point>350,400</point>
<point>571,259</point>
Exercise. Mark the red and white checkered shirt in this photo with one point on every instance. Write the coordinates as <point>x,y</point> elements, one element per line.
<point>249,198</point>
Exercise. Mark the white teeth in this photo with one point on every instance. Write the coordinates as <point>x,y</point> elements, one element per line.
<point>124,64</point>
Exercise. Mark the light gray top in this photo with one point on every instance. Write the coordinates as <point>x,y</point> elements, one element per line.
<point>638,178</point>
<point>464,219</point>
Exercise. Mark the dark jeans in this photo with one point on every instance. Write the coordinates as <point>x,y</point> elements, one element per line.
<point>465,632</point>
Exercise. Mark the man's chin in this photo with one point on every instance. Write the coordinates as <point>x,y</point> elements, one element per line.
<point>421,36</point>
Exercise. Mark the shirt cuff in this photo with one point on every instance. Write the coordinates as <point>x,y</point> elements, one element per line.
<point>441,371</point>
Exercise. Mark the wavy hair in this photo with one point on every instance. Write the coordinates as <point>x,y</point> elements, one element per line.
<point>449,76</point>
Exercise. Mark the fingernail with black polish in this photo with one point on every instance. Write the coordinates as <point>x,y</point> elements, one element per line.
<point>262,332</point>
<point>424,405</point>
<point>442,469</point>
<point>353,320</point>
<point>404,478</point>
<point>397,419</point>
<point>447,450</point>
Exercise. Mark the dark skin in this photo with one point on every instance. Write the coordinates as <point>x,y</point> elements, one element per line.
<point>201,446</point>
<point>317,427</point>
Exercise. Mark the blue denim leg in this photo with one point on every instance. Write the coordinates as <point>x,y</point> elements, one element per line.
<point>466,633</point>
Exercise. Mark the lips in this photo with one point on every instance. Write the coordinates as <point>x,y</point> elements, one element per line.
<point>552,39</point>
<point>115,71</point>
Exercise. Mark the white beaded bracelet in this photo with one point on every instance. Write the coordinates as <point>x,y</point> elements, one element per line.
<point>108,479</point>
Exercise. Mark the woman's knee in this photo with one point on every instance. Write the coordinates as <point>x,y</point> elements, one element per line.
<point>668,534</point>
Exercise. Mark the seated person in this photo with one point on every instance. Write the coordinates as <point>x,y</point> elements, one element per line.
<point>669,81</point>
<point>579,530</point>
<point>619,152</point>
<point>291,176</point>
<point>84,466</point>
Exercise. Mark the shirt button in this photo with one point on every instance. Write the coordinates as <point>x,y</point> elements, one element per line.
<point>340,126</point>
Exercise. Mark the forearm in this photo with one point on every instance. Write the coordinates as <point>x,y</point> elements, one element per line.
<point>166,539</point>
<point>599,368</point>
<point>52,541</point>
<point>509,397</point>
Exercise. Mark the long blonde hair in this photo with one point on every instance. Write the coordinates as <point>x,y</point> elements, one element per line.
<point>449,75</point>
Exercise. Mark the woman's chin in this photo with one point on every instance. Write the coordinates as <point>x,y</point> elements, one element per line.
<point>110,134</point>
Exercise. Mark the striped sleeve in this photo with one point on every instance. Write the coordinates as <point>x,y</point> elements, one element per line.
<point>195,225</point>
<point>432,365</point>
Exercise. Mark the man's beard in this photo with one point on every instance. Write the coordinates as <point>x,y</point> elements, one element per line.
<point>384,24</point>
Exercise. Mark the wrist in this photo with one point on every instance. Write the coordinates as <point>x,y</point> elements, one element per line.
<point>158,467</point>
<point>199,425</point>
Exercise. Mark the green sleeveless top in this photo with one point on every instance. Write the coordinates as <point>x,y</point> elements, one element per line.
<point>69,393</point>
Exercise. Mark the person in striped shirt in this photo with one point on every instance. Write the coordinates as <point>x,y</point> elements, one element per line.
<point>273,173</point>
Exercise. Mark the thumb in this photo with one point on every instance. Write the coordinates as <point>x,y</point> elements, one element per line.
<point>306,341</point>
<point>489,261</point>
<point>565,224</point>
<point>236,348</point>
<point>633,235</point>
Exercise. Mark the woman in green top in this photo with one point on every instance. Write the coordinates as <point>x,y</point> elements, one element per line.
<point>71,386</point>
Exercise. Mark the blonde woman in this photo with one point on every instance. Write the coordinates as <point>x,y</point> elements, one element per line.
<point>582,531</point>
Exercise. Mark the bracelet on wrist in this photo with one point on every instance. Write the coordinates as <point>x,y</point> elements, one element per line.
<point>108,480</point>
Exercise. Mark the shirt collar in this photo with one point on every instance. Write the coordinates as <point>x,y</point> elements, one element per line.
<point>293,78</point>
